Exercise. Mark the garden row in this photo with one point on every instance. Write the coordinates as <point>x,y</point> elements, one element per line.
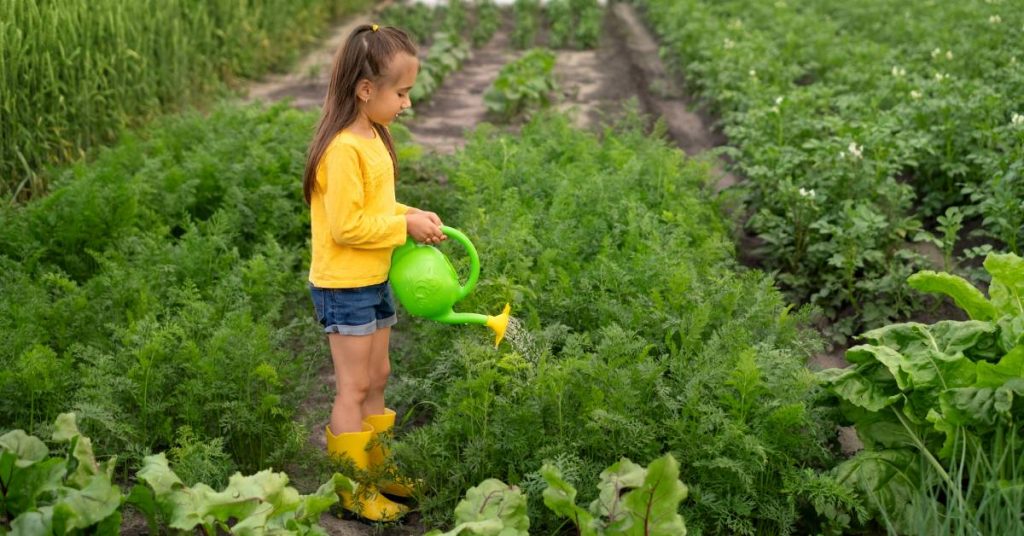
<point>858,139</point>
<point>647,338</point>
<point>156,293</point>
<point>72,74</point>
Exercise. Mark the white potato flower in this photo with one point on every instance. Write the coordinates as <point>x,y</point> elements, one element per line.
<point>856,150</point>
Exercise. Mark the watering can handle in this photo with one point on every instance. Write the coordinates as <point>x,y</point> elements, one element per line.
<point>474,259</point>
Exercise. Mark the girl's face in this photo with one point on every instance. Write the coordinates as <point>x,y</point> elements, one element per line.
<point>385,99</point>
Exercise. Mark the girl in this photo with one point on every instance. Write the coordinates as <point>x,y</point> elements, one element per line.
<point>349,184</point>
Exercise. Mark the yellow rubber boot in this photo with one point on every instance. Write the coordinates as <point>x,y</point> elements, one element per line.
<point>368,502</point>
<point>378,454</point>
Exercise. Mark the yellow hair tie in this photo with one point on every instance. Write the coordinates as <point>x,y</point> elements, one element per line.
<point>375,27</point>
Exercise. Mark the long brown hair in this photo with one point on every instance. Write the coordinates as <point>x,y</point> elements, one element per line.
<point>366,54</point>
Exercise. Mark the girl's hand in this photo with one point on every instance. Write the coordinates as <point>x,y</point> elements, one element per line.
<point>424,229</point>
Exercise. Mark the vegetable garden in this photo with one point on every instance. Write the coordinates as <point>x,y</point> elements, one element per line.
<point>161,367</point>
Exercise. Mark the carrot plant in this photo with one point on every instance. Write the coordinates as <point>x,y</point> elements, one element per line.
<point>157,289</point>
<point>648,339</point>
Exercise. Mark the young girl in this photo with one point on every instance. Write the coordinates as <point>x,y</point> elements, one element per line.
<point>349,184</point>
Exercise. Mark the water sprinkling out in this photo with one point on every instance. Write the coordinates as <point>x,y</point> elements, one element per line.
<point>522,340</point>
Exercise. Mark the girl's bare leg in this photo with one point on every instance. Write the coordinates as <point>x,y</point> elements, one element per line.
<point>352,357</point>
<point>379,369</point>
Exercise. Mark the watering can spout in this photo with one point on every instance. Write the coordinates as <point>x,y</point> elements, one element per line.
<point>499,324</point>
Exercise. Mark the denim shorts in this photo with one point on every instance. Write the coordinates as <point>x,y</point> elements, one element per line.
<point>354,311</point>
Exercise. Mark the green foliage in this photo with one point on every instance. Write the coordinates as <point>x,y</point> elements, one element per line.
<point>65,494</point>
<point>72,494</point>
<point>488,19</point>
<point>160,285</point>
<point>491,509</point>
<point>256,504</point>
<point>446,54</point>
<point>881,131</point>
<point>417,19</point>
<point>623,274</point>
<point>632,500</point>
<point>522,85</point>
<point>75,73</point>
<point>574,23</point>
<point>938,408</point>
<point>525,30</point>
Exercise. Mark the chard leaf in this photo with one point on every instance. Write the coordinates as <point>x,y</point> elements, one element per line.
<point>65,428</point>
<point>935,371</point>
<point>889,358</point>
<point>966,296</point>
<point>947,336</point>
<point>1004,396</point>
<point>852,386</point>
<point>24,449</point>
<point>32,523</point>
<point>493,508</point>
<point>1011,366</point>
<point>888,478</point>
<point>655,504</point>
<point>968,405</point>
<point>1007,289</point>
<point>1011,332</point>
<point>622,475</point>
<point>560,497</point>
<point>82,508</point>
<point>883,433</point>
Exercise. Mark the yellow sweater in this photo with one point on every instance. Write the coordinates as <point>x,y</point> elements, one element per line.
<point>355,220</point>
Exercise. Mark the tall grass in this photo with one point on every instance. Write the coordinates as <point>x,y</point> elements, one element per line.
<point>72,73</point>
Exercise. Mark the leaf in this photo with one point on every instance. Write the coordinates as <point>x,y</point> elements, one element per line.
<point>311,506</point>
<point>83,508</point>
<point>493,499</point>
<point>655,504</point>
<point>1010,366</point>
<point>1007,288</point>
<point>966,296</point>
<point>65,429</point>
<point>851,385</point>
<point>560,497</point>
<point>34,523</point>
<point>889,478</point>
<point>947,336</point>
<point>614,481</point>
<point>25,486</point>
<point>26,449</point>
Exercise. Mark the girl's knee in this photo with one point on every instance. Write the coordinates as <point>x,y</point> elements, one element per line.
<point>379,377</point>
<point>352,395</point>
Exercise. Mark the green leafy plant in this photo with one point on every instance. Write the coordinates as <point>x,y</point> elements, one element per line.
<point>256,504</point>
<point>938,408</point>
<point>65,494</point>
<point>647,339</point>
<point>632,501</point>
<point>488,19</point>
<point>491,508</point>
<point>446,54</point>
<point>525,30</point>
<point>522,85</point>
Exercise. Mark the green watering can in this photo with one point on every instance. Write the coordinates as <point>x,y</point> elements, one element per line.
<point>427,286</point>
